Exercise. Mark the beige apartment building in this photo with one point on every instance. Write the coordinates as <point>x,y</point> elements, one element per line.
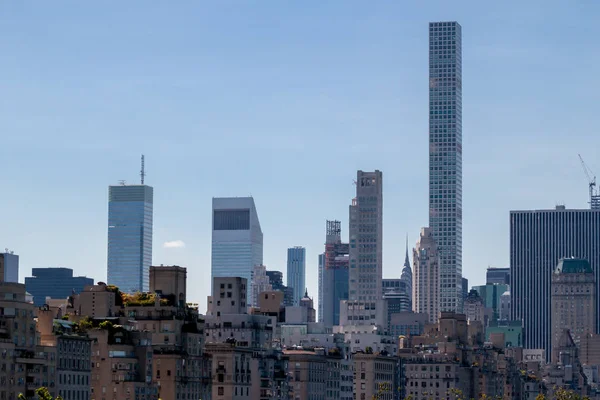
<point>573,301</point>
<point>374,376</point>
<point>308,374</point>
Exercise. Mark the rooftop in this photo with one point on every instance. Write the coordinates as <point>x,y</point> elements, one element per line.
<point>573,266</point>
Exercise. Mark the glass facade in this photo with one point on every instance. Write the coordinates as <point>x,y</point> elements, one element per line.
<point>296,272</point>
<point>237,239</point>
<point>445,156</point>
<point>130,214</point>
<point>56,283</point>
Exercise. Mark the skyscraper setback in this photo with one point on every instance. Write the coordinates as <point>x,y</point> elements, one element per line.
<point>445,156</point>
<point>130,213</point>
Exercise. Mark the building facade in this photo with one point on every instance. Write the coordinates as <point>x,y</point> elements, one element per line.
<point>445,156</point>
<point>335,273</point>
<point>500,276</point>
<point>321,293</point>
<point>9,267</point>
<point>237,240</point>
<point>130,220</point>
<point>260,283</point>
<point>573,303</point>
<point>73,367</point>
<point>296,271</point>
<point>366,249</point>
<point>426,276</point>
<point>56,283</point>
<point>538,240</point>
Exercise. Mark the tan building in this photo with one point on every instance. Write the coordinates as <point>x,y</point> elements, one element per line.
<point>573,300</point>
<point>374,376</point>
<point>426,276</point>
<point>435,378</point>
<point>228,296</point>
<point>259,283</point>
<point>97,301</point>
<point>308,374</point>
<point>474,307</point>
<point>171,281</point>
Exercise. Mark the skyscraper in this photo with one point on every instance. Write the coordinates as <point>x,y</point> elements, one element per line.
<point>538,240</point>
<point>296,272</point>
<point>445,156</point>
<point>56,283</point>
<point>335,273</point>
<point>9,267</point>
<point>426,276</point>
<point>130,213</point>
<point>320,295</point>
<point>366,247</point>
<point>406,276</point>
<point>237,240</point>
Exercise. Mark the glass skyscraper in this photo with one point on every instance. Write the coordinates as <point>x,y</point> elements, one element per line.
<point>237,240</point>
<point>56,283</point>
<point>130,211</point>
<point>445,156</point>
<point>296,272</point>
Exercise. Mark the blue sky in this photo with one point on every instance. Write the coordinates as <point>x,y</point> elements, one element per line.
<point>283,101</point>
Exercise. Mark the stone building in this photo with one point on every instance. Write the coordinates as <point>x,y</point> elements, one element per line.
<point>573,300</point>
<point>73,366</point>
<point>375,377</point>
<point>308,374</point>
<point>426,276</point>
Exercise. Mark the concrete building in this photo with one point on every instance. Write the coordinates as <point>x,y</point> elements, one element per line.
<point>445,156</point>
<point>308,371</point>
<point>500,276</point>
<point>375,376</point>
<point>366,251</point>
<point>237,239</point>
<point>169,280</point>
<point>260,283</point>
<point>505,307</point>
<point>9,267</point>
<point>573,302</point>
<point>56,283</point>
<point>73,368</point>
<point>426,276</point>
<point>130,214</point>
<point>407,324</point>
<point>229,296</point>
<point>335,273</point>
<point>572,233</point>
<point>276,282</point>
<point>232,371</point>
<point>511,331</point>
<point>98,301</point>
<point>296,272</point>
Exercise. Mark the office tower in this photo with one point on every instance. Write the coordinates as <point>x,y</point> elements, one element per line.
<point>426,276</point>
<point>335,273</point>
<point>260,283</point>
<point>573,291</point>
<point>237,240</point>
<point>465,287</point>
<point>445,156</point>
<point>492,297</point>
<point>296,272</point>
<point>538,240</point>
<point>9,267</point>
<point>276,282</point>
<point>406,276</point>
<point>320,295</point>
<point>130,236</point>
<point>56,283</point>
<point>497,275</point>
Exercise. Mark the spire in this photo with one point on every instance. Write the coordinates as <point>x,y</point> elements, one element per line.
<point>306,292</point>
<point>406,260</point>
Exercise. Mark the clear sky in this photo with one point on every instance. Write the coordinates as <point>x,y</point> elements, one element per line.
<point>284,101</point>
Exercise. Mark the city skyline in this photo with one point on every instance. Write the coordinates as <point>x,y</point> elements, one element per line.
<point>381,89</point>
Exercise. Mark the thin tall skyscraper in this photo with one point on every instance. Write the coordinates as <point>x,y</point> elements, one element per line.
<point>130,213</point>
<point>366,248</point>
<point>296,272</point>
<point>237,240</point>
<point>445,156</point>
<point>335,273</point>
<point>538,240</point>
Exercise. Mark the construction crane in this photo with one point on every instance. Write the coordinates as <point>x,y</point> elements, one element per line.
<point>594,196</point>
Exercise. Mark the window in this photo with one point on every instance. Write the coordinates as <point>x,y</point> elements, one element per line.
<point>221,391</point>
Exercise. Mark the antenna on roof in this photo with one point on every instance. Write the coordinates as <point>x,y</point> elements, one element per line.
<point>142,171</point>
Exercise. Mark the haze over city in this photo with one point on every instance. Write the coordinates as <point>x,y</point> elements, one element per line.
<point>283,102</point>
